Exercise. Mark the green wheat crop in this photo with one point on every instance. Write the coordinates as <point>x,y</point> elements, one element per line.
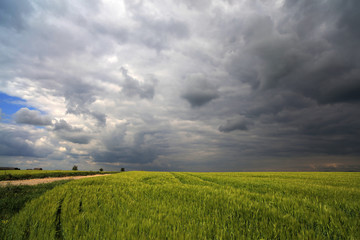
<point>162,205</point>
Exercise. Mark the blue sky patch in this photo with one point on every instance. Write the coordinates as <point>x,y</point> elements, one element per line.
<point>10,105</point>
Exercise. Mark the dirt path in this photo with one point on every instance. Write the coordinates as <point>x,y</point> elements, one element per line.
<point>44,180</point>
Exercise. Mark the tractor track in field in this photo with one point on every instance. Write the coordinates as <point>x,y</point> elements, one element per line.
<point>58,229</point>
<point>36,181</point>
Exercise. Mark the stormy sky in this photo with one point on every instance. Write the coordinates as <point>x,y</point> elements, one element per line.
<point>181,85</point>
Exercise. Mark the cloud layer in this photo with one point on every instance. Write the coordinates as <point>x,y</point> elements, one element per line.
<point>182,85</point>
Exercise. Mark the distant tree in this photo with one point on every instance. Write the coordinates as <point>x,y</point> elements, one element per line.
<point>75,168</point>
<point>122,169</point>
<point>101,169</point>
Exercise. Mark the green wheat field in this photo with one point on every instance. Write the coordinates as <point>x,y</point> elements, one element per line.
<point>174,205</point>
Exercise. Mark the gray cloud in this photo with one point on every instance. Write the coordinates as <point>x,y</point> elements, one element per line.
<point>307,59</point>
<point>13,13</point>
<point>198,98</point>
<point>155,33</point>
<point>118,33</point>
<point>199,91</point>
<point>14,144</point>
<point>184,85</point>
<point>69,133</point>
<point>79,96</point>
<point>297,54</point>
<point>19,142</point>
<point>132,87</point>
<point>144,148</point>
<point>196,4</point>
<point>302,71</point>
<point>62,125</point>
<point>32,117</point>
<point>76,138</point>
<point>239,123</point>
<point>126,155</point>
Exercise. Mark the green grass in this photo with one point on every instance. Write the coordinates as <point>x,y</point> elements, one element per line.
<point>29,174</point>
<point>14,198</point>
<point>162,205</point>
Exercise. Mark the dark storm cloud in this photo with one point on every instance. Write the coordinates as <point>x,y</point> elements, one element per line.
<point>275,101</point>
<point>317,55</point>
<point>32,117</point>
<point>303,70</point>
<point>13,13</point>
<point>313,51</point>
<point>322,130</point>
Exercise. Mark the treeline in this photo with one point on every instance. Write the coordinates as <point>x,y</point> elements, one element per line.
<point>24,174</point>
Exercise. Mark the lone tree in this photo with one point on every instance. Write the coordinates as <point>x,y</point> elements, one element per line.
<point>122,169</point>
<point>75,168</point>
<point>101,169</point>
